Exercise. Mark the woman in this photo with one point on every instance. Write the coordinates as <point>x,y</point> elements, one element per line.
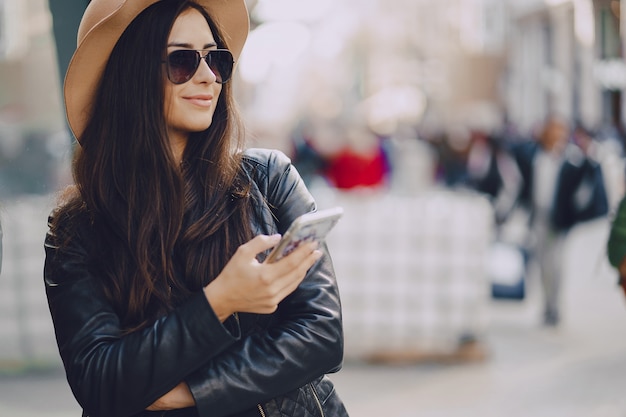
<point>154,269</point>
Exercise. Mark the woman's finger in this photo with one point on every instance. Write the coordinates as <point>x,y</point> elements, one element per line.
<point>259,243</point>
<point>292,269</point>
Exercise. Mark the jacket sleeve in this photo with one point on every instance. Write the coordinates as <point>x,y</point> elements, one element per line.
<point>581,192</point>
<point>112,374</point>
<point>305,342</point>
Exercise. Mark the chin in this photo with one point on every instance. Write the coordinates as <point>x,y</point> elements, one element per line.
<point>199,127</point>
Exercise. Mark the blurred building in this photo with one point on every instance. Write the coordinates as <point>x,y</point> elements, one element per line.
<point>29,86</point>
<point>33,139</point>
<point>566,56</point>
<point>387,63</point>
<point>554,48</point>
<point>442,65</point>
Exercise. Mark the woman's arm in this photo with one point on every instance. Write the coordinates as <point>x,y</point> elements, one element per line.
<point>306,343</point>
<point>307,339</point>
<point>179,397</point>
<point>104,367</point>
<point>111,373</point>
<point>248,286</point>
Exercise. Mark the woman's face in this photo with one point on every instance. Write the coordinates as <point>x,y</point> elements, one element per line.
<point>189,106</point>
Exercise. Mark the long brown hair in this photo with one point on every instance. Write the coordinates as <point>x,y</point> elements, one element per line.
<point>163,231</point>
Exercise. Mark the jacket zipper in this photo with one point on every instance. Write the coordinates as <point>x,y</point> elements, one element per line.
<point>317,400</point>
<point>315,396</point>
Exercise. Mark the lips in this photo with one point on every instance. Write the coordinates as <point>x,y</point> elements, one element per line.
<point>202,100</point>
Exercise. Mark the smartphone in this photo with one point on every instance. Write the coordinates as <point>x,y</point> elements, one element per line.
<point>309,227</point>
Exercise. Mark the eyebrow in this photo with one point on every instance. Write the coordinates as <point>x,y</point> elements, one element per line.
<point>189,46</point>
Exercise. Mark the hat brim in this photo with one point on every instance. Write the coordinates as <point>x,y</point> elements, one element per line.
<point>101,27</point>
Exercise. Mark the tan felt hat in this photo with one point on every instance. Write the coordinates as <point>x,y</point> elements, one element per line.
<point>103,23</point>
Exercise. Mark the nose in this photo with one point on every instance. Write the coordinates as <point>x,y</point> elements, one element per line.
<point>204,73</point>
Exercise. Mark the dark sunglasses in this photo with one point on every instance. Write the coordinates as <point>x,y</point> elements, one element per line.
<point>183,64</point>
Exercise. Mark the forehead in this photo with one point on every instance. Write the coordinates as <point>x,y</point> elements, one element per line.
<point>190,27</point>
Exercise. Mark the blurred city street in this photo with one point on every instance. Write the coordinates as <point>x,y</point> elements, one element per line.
<point>413,115</point>
<point>575,370</point>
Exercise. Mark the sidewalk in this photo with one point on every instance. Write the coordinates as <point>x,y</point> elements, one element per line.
<point>575,370</point>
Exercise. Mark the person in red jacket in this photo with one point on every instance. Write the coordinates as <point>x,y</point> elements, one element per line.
<point>362,162</point>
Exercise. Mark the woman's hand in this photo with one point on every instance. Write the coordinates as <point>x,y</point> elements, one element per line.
<point>246,285</point>
<point>179,397</point>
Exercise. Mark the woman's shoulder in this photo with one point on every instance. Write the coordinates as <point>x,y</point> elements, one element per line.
<point>265,158</point>
<point>69,215</point>
<point>266,165</point>
<point>277,179</point>
<point>68,202</point>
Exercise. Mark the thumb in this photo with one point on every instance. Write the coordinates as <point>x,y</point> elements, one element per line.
<point>262,243</point>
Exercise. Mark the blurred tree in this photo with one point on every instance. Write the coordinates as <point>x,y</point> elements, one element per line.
<point>66,15</point>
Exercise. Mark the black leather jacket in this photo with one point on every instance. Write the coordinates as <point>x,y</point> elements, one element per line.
<point>264,365</point>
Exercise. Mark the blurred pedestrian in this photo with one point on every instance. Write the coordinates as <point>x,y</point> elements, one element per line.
<point>154,271</point>
<point>492,171</point>
<point>453,149</point>
<point>66,15</point>
<point>309,161</point>
<point>362,163</point>
<point>561,186</point>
